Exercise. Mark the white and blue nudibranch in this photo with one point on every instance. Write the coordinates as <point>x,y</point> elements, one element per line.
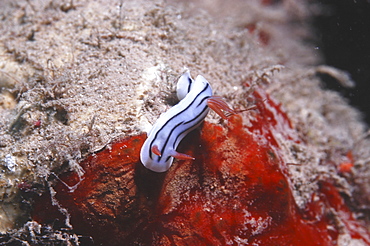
<point>196,98</point>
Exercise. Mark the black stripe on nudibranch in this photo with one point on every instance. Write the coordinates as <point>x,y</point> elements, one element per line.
<point>196,117</point>
<point>202,100</point>
<point>168,138</point>
<point>194,125</point>
<point>190,82</point>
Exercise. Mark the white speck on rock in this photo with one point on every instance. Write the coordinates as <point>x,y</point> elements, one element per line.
<point>9,162</point>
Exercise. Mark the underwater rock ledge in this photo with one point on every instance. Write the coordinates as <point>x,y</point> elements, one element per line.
<point>82,81</point>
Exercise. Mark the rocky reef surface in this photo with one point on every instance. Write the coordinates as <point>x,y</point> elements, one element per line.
<point>82,81</point>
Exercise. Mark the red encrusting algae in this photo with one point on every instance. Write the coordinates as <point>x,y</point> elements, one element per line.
<point>235,192</point>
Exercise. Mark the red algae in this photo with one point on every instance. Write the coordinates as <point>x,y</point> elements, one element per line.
<point>347,165</point>
<point>235,192</point>
<point>332,199</point>
<point>104,199</point>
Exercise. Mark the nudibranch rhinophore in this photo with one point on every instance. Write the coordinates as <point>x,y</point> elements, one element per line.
<point>196,98</point>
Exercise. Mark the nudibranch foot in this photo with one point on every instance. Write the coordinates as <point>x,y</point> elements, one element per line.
<point>218,105</point>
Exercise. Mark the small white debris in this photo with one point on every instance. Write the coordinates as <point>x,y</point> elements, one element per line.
<point>153,73</point>
<point>9,162</point>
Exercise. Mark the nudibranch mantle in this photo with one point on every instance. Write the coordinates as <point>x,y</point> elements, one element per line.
<point>195,97</point>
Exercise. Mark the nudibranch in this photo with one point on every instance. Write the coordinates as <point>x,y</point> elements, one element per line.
<point>196,98</point>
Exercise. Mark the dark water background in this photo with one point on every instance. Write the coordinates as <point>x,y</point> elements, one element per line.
<point>344,38</point>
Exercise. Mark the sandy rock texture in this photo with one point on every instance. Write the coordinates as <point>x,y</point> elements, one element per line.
<point>75,75</point>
